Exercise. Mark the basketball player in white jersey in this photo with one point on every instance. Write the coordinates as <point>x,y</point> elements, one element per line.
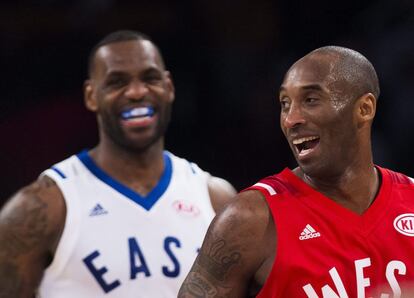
<point>125,219</point>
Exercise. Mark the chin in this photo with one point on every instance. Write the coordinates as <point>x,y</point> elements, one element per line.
<point>314,169</point>
<point>135,144</point>
<point>142,144</point>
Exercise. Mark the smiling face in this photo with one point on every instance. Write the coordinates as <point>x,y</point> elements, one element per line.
<point>131,93</point>
<point>318,116</point>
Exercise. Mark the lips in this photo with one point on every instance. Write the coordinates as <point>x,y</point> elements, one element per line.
<point>137,112</point>
<point>305,145</point>
<point>137,116</point>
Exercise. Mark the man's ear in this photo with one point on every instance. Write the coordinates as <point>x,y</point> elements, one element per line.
<point>366,107</point>
<point>170,86</point>
<point>89,96</point>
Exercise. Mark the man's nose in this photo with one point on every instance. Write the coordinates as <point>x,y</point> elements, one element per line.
<point>293,117</point>
<point>136,90</point>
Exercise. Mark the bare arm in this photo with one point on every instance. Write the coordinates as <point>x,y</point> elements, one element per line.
<point>221,193</point>
<point>30,226</point>
<point>235,248</point>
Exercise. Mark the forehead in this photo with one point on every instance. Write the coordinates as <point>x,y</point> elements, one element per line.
<point>134,55</point>
<point>310,71</point>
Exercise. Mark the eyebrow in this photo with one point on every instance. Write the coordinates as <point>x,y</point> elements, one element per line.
<point>115,73</point>
<point>152,69</point>
<point>149,70</point>
<point>314,87</point>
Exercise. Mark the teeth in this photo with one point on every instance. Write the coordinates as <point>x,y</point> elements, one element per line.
<point>138,112</point>
<point>301,140</point>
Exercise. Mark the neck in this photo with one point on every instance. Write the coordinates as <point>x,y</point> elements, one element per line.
<point>354,188</point>
<point>139,170</point>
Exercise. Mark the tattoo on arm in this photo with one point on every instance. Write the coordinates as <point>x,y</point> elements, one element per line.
<point>23,229</point>
<point>216,260</point>
<point>198,285</point>
<point>11,284</point>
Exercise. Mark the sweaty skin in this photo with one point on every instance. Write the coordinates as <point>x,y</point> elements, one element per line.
<point>318,100</point>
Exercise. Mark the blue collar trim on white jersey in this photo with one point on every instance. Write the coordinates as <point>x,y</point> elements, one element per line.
<point>59,172</point>
<point>145,201</point>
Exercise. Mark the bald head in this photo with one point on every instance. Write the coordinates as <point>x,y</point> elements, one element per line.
<point>328,104</point>
<point>349,71</point>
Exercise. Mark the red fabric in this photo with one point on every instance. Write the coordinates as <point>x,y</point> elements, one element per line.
<point>347,241</point>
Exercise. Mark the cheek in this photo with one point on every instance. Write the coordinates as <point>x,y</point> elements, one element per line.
<point>341,132</point>
<point>158,89</point>
<point>106,101</point>
<point>282,118</point>
<point>102,107</point>
<point>162,92</point>
<point>346,123</point>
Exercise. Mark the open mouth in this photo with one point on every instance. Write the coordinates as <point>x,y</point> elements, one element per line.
<point>137,113</point>
<point>138,117</point>
<point>305,145</point>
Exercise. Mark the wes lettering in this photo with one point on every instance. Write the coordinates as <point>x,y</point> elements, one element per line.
<point>394,269</point>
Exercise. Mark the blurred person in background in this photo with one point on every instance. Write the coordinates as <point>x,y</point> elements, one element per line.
<point>124,219</point>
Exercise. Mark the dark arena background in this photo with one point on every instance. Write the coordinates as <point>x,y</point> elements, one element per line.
<point>227,59</point>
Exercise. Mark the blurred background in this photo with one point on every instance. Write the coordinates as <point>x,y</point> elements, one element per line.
<point>227,59</point>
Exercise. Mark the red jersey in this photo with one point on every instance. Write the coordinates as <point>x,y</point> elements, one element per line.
<point>326,250</point>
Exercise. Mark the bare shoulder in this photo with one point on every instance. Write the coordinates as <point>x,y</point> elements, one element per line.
<point>221,192</point>
<point>233,251</point>
<point>36,205</point>
<point>30,225</point>
<point>35,210</point>
<point>247,210</point>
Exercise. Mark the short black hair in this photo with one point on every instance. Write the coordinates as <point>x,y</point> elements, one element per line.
<point>117,36</point>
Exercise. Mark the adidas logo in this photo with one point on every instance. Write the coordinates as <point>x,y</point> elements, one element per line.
<point>98,210</point>
<point>309,232</point>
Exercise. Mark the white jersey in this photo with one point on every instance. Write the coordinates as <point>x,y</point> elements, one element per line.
<point>116,243</point>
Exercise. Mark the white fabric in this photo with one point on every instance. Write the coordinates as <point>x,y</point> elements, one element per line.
<point>169,233</point>
<point>270,189</point>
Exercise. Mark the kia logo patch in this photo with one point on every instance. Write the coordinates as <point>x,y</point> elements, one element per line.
<point>404,224</point>
<point>185,207</point>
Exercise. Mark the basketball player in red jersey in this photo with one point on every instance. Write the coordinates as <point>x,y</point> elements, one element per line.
<point>335,226</point>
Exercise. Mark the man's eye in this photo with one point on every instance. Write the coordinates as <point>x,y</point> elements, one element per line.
<point>284,104</point>
<point>115,82</point>
<point>153,79</point>
<point>311,100</point>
